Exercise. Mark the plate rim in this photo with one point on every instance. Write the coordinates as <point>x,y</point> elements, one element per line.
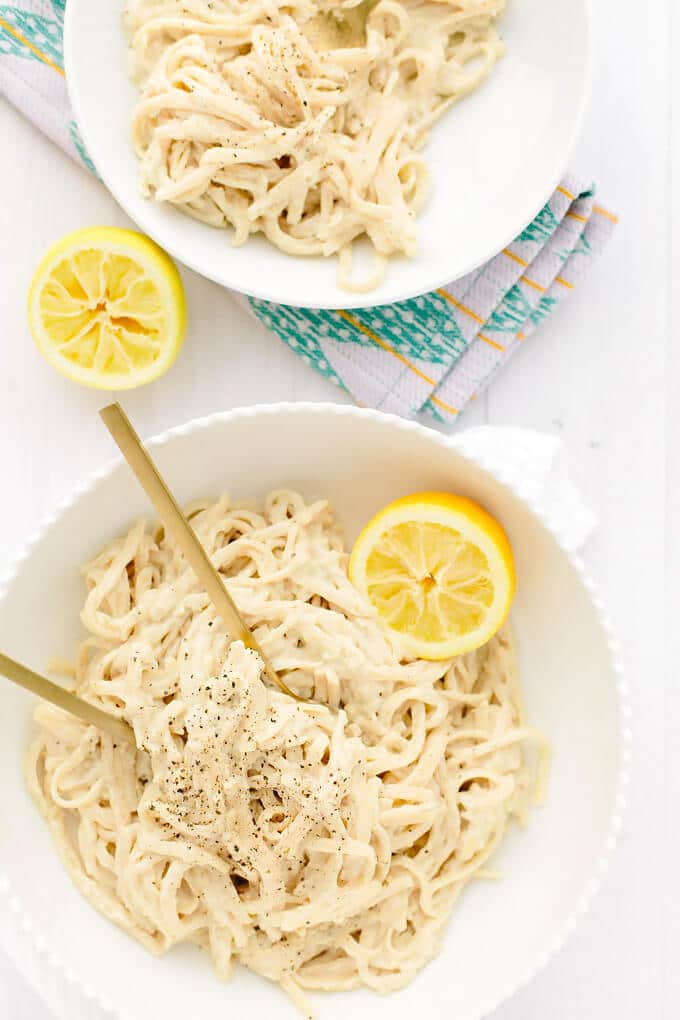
<point>22,919</point>
<point>348,300</point>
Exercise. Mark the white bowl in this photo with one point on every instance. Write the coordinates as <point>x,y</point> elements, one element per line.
<point>500,932</point>
<point>495,159</point>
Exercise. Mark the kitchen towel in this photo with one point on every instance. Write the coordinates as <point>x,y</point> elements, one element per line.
<point>426,356</point>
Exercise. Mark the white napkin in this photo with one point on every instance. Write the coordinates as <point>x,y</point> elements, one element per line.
<point>530,461</point>
<point>533,462</point>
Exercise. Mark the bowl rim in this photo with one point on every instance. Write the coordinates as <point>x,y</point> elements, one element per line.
<point>22,920</point>
<point>259,288</point>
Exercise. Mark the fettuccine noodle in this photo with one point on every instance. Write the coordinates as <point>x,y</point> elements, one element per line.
<point>291,118</point>
<point>322,847</point>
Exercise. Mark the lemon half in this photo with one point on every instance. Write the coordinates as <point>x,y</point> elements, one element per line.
<point>440,572</point>
<point>106,307</point>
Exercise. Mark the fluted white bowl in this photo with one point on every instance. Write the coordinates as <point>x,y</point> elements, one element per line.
<point>501,933</point>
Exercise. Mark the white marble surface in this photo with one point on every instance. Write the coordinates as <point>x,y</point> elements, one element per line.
<point>603,373</point>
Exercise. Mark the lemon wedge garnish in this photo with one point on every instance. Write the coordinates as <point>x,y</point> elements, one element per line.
<point>106,307</point>
<point>439,571</point>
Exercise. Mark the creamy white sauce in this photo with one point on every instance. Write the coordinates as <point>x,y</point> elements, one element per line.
<point>300,119</point>
<point>323,847</point>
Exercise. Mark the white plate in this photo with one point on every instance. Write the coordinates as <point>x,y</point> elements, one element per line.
<point>495,159</point>
<point>501,932</point>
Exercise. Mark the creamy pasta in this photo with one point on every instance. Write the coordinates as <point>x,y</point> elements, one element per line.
<point>321,844</point>
<point>302,119</point>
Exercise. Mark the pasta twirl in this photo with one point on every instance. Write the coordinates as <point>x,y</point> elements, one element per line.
<point>322,847</point>
<point>289,118</point>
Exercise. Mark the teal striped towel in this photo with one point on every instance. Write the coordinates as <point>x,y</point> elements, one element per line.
<point>426,356</point>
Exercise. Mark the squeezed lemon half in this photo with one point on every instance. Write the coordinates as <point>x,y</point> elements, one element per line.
<point>106,307</point>
<point>439,570</point>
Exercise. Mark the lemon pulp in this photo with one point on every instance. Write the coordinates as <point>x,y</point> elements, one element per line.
<point>107,308</point>
<point>439,571</point>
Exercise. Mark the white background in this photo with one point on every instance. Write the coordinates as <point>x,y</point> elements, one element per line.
<point>603,373</point>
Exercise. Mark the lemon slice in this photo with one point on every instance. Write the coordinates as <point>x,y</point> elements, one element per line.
<point>439,571</point>
<point>106,307</point>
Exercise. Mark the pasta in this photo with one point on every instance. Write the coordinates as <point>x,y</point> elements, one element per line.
<point>323,847</point>
<point>293,118</point>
